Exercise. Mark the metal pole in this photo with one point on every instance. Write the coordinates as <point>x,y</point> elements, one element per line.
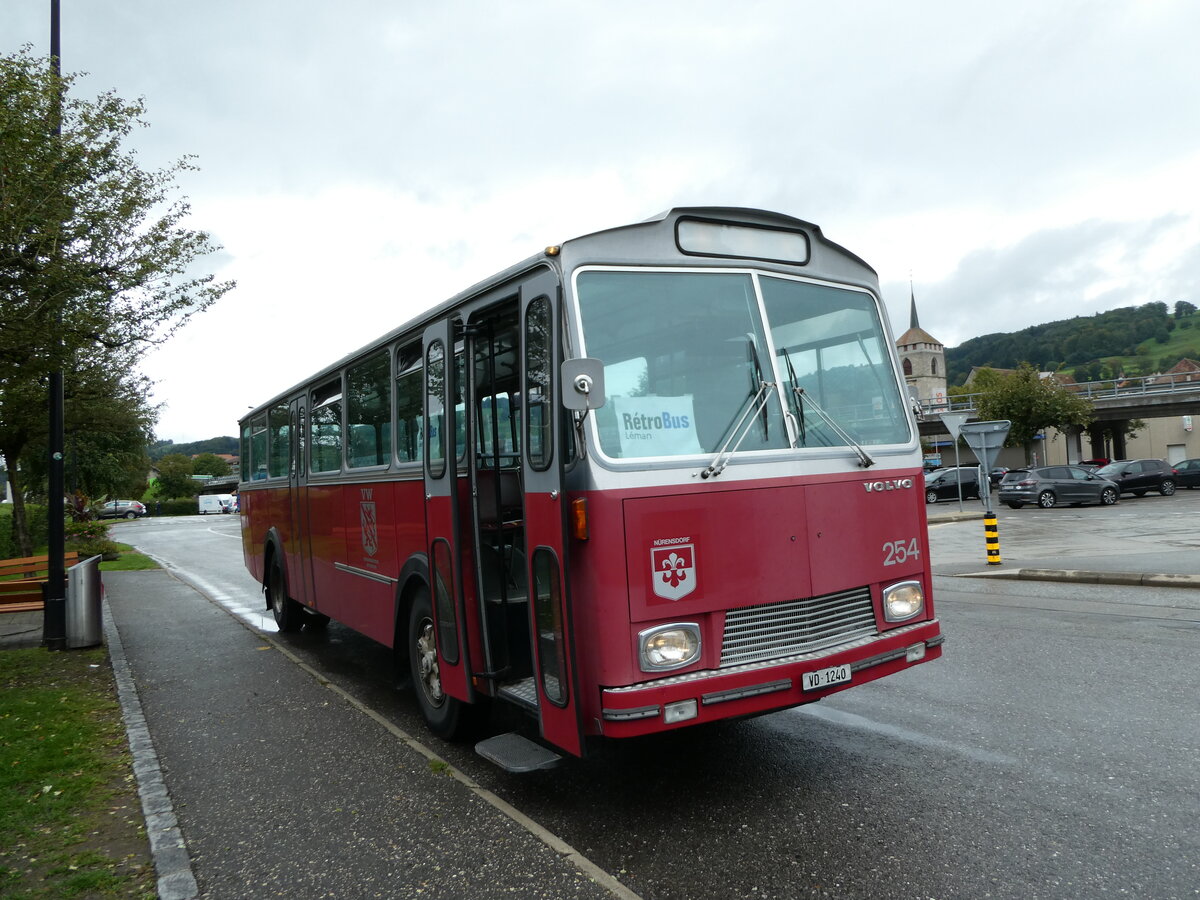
<point>991,528</point>
<point>54,616</point>
<point>958,474</point>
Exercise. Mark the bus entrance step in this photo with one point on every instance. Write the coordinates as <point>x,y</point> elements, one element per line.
<point>523,693</point>
<point>515,753</point>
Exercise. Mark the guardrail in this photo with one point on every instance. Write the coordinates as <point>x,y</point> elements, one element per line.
<point>1093,390</point>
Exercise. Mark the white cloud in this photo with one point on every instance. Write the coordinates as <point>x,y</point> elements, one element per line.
<point>362,160</point>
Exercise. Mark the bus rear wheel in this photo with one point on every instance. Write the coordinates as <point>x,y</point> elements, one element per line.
<point>288,613</point>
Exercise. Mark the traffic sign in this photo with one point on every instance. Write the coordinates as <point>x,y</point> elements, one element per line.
<point>953,422</point>
<point>986,439</point>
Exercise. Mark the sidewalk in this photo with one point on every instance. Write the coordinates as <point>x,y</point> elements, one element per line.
<point>281,786</point>
<point>1131,566</point>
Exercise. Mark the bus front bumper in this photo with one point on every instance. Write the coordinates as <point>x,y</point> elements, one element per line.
<point>714,694</point>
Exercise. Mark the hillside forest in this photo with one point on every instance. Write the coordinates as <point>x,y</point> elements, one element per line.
<point>1130,341</point>
<point>217,445</point>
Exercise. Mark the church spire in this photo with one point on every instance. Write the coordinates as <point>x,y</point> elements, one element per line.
<point>912,316</point>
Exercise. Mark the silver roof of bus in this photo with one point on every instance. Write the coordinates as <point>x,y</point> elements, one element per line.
<point>625,240</point>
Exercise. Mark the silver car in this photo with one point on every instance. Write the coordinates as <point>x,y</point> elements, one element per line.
<point>121,509</point>
<point>1049,486</point>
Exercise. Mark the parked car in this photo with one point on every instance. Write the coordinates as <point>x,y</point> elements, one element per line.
<point>1097,463</point>
<point>121,509</point>
<point>997,474</point>
<point>942,484</point>
<point>1139,476</point>
<point>1189,473</point>
<point>1049,486</point>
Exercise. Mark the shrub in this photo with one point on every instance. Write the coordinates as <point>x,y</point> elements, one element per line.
<point>93,530</point>
<point>173,507</point>
<point>90,546</point>
<point>35,518</point>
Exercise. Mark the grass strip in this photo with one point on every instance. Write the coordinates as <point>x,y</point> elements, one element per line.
<point>129,561</point>
<point>69,810</point>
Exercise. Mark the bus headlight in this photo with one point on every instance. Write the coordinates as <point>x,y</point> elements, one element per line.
<point>903,600</point>
<point>667,647</point>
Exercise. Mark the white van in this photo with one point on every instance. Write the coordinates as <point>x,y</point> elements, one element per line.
<point>215,503</point>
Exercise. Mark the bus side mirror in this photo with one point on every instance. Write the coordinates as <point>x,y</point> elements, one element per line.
<point>582,384</point>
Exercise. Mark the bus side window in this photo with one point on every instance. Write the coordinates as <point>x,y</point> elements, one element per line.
<point>408,403</point>
<point>368,412</point>
<point>537,383</point>
<point>326,423</point>
<point>245,452</point>
<point>278,440</point>
<point>258,447</point>
<point>435,387</point>
<point>460,406</point>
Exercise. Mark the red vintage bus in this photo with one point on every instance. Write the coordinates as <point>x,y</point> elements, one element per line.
<point>654,476</point>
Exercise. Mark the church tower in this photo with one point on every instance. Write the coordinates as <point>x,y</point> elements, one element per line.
<point>923,359</point>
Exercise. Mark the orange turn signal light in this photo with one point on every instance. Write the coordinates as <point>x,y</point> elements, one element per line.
<point>579,519</point>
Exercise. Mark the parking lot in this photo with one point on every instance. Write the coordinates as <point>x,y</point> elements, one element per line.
<point>1138,534</point>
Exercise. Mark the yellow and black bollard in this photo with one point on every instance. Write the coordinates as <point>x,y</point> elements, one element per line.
<point>992,533</point>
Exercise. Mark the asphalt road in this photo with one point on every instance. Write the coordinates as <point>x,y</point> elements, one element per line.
<point>1051,753</point>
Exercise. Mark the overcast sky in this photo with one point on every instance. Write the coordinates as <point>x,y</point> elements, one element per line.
<point>360,161</point>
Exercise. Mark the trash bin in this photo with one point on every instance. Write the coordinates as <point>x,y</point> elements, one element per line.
<point>84,590</point>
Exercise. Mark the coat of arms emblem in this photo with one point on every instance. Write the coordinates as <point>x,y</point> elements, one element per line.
<point>673,570</point>
<point>370,531</point>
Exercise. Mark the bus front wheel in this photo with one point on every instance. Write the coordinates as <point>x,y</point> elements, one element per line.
<point>442,713</point>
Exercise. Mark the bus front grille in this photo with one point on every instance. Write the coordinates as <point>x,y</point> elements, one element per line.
<point>777,630</point>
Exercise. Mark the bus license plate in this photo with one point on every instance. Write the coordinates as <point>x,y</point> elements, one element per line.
<point>823,678</point>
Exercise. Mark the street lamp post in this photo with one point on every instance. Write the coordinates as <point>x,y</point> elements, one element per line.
<point>54,617</point>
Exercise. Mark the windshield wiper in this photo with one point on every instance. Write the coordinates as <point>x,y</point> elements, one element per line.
<point>758,377</point>
<point>863,459</point>
<point>749,409</point>
<point>801,426</point>
<point>799,394</point>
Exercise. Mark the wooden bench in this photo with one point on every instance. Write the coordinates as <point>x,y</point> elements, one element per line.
<point>21,581</point>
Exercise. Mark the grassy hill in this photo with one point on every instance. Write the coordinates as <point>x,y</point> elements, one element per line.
<point>159,449</point>
<point>1132,340</point>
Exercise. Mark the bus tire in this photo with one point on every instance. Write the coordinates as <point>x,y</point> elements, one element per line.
<point>287,611</point>
<point>442,713</point>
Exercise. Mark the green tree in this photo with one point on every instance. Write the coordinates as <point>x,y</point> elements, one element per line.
<point>174,477</point>
<point>94,252</point>
<point>109,420</point>
<point>1032,404</point>
<point>210,464</point>
<point>1183,308</point>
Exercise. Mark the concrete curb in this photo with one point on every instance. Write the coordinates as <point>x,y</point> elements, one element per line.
<point>176,880</point>
<point>1080,576</point>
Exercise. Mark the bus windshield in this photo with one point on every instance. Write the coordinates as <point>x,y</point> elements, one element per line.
<point>691,367</point>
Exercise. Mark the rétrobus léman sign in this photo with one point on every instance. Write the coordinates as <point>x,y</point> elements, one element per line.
<point>894,484</point>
